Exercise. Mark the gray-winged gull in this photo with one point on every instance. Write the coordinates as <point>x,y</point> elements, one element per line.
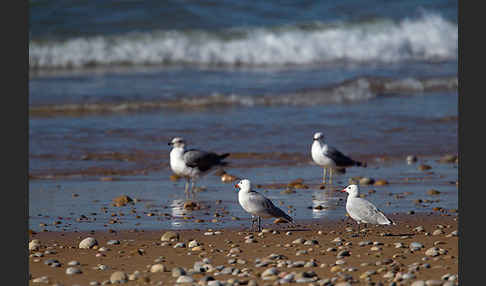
<point>329,157</point>
<point>192,164</point>
<point>257,204</point>
<point>361,210</point>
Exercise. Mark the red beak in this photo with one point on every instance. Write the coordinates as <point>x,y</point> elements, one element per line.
<point>236,186</point>
<point>343,190</point>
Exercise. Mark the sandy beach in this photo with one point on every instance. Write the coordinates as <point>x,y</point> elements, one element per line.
<point>328,253</point>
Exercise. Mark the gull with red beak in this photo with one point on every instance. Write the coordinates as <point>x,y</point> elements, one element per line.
<point>361,210</point>
<point>257,205</point>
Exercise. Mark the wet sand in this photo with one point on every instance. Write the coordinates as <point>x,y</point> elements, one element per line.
<point>139,250</point>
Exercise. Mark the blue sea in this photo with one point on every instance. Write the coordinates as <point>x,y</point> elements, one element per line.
<point>111,82</point>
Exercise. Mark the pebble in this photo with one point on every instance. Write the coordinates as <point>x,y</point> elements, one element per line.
<point>169,235</point>
<point>193,243</point>
<point>73,263</point>
<point>42,279</point>
<point>184,279</point>
<point>73,270</point>
<point>411,159</point>
<point>416,246</point>
<point>433,251</point>
<point>180,245</point>
<point>343,253</point>
<point>157,268</point>
<point>433,282</point>
<point>88,242</point>
<point>178,271</point>
<point>34,245</point>
<point>113,242</point>
<point>118,277</point>
<point>269,272</point>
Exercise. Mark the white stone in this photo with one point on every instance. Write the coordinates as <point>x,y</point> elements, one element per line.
<point>88,242</point>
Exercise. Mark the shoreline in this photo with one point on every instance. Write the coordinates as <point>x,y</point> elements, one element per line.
<point>309,253</point>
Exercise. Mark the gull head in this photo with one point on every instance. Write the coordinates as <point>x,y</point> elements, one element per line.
<point>177,142</point>
<point>352,190</point>
<point>244,185</point>
<point>318,136</point>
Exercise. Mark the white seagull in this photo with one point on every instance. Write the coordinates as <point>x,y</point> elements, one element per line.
<point>192,164</point>
<point>257,204</point>
<point>329,157</point>
<point>361,210</point>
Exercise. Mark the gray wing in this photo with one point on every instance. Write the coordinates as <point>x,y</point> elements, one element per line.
<point>202,160</point>
<point>339,158</point>
<point>367,212</point>
<point>268,206</point>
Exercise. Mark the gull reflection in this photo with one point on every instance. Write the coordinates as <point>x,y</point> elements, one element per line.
<point>323,201</point>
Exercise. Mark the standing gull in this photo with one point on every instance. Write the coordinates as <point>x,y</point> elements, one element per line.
<point>329,157</point>
<point>258,205</point>
<point>192,164</point>
<point>361,210</point>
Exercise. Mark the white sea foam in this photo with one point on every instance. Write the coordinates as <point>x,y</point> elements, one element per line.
<point>429,37</point>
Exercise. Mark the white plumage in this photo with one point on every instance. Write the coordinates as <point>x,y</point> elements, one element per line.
<point>329,157</point>
<point>192,164</point>
<point>361,210</point>
<point>257,204</point>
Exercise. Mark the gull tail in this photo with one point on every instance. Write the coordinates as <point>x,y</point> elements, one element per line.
<point>221,158</point>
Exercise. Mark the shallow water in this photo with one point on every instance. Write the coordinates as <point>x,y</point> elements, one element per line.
<point>109,90</point>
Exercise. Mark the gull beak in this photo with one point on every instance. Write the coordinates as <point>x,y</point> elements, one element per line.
<point>343,190</point>
<point>170,144</point>
<point>236,186</point>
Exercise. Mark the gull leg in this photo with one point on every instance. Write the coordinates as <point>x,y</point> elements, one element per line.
<point>252,223</point>
<point>186,189</point>
<point>193,191</point>
<point>324,176</point>
<point>259,224</point>
<point>330,176</point>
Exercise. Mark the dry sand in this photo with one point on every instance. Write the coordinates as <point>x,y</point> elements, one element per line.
<point>139,249</point>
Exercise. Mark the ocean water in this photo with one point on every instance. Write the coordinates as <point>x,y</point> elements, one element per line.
<point>110,83</point>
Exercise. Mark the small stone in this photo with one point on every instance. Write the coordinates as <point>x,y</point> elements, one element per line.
<point>34,245</point>
<point>433,251</point>
<point>73,263</point>
<point>73,270</point>
<point>366,181</point>
<point>380,183</point>
<point>298,241</point>
<point>411,159</point>
<point>157,268</point>
<point>424,167</point>
<point>88,242</point>
<point>42,279</point>
<point>113,242</point>
<point>433,282</point>
<point>193,243</point>
<point>438,232</point>
<point>118,277</point>
<point>184,279</point>
<point>122,200</point>
<point>416,246</point>
<point>180,245</point>
<point>432,192</point>
<point>449,158</point>
<point>270,272</point>
<point>178,271</point>
<point>169,235</point>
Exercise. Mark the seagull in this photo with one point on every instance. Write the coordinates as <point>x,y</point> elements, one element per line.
<point>329,157</point>
<point>192,164</point>
<point>257,204</point>
<point>361,210</point>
